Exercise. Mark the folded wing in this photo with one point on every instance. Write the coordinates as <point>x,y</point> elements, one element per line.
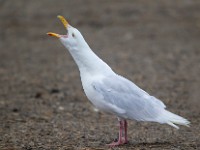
<point>121,93</point>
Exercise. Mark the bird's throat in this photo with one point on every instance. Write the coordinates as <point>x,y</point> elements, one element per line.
<point>87,61</point>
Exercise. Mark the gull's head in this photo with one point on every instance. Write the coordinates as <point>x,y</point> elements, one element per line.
<point>72,39</point>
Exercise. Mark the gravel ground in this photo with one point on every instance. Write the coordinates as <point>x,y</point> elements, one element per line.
<point>153,43</point>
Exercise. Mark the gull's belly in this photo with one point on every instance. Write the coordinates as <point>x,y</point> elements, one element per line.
<point>96,98</point>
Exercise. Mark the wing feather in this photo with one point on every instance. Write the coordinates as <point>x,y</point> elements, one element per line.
<point>129,98</point>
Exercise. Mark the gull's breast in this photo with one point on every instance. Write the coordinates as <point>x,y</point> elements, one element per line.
<point>94,96</point>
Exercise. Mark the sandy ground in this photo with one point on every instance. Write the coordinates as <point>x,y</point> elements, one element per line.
<point>153,43</point>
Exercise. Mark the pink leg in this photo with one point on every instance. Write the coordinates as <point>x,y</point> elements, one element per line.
<point>121,139</point>
<point>125,131</point>
<point>124,138</point>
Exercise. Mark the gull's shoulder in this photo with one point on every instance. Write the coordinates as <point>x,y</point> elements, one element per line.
<point>118,85</point>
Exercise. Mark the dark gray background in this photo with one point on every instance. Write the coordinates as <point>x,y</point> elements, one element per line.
<point>153,43</point>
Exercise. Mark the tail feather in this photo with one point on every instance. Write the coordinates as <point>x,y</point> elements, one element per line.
<point>173,125</point>
<point>173,119</point>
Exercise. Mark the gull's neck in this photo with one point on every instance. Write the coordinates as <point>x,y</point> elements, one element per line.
<point>88,62</point>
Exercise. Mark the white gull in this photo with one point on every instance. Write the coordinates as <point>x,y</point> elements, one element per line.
<point>112,93</point>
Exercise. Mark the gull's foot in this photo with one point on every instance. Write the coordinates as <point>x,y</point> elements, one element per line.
<point>125,141</point>
<point>113,144</point>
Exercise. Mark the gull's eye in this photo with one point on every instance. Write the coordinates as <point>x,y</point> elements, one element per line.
<point>73,35</point>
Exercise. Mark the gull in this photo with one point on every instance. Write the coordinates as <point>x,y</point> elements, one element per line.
<point>112,93</point>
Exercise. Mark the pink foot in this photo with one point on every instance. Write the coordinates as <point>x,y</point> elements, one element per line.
<point>122,131</point>
<point>125,141</point>
<point>113,144</point>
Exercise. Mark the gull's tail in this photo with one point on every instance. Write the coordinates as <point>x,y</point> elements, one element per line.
<point>173,119</point>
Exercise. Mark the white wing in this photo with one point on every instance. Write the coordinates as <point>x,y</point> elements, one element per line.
<point>122,94</point>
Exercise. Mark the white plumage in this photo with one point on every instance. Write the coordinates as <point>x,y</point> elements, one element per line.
<point>111,92</point>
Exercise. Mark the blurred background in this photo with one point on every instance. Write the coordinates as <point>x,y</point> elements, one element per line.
<point>153,43</point>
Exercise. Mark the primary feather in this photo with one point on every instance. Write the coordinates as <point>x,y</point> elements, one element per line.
<point>128,101</point>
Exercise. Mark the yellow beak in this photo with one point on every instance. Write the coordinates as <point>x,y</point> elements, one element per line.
<point>54,34</point>
<point>65,23</point>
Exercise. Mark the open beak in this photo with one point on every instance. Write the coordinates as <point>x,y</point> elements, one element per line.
<point>54,34</point>
<point>65,23</point>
